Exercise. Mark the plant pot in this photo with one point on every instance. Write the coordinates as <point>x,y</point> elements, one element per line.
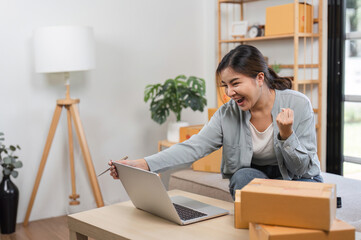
<point>173,130</point>
<point>9,198</point>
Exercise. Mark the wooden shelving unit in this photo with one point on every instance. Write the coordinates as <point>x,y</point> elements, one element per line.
<point>264,38</point>
<point>307,73</point>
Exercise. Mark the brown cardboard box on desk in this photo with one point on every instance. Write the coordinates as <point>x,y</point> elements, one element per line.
<point>339,230</point>
<point>238,222</point>
<point>280,20</point>
<point>289,203</point>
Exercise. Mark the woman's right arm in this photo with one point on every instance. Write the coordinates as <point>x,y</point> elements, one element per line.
<point>205,142</point>
<point>209,139</point>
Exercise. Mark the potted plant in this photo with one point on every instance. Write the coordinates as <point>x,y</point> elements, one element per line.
<point>174,95</point>
<point>9,193</point>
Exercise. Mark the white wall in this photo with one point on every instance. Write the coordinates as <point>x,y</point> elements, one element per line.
<point>137,43</point>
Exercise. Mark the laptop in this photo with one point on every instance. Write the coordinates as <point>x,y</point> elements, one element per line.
<point>147,192</point>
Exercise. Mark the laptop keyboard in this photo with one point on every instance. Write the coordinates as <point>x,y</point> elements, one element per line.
<point>187,213</point>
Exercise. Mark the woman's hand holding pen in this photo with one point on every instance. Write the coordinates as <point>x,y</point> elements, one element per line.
<point>139,163</point>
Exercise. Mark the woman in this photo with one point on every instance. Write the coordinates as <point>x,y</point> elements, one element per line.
<point>266,129</point>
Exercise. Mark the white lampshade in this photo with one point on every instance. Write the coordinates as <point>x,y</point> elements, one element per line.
<point>64,49</point>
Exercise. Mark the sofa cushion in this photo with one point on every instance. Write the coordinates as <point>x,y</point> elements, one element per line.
<point>204,183</point>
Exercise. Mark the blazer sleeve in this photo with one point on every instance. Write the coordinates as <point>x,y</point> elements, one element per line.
<point>300,149</point>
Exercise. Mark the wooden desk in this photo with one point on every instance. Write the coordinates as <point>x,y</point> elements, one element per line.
<point>124,221</point>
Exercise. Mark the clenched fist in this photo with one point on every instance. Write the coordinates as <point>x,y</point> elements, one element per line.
<point>285,121</point>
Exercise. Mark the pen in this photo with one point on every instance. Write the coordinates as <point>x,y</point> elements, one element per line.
<point>106,170</point>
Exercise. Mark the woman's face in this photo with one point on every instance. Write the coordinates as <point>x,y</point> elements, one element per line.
<point>244,90</point>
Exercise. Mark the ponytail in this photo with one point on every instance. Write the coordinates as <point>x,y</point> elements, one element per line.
<point>277,82</point>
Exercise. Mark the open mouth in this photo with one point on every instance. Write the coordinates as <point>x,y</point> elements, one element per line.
<point>240,100</point>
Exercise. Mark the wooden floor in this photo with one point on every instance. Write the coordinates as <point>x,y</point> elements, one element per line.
<point>46,229</point>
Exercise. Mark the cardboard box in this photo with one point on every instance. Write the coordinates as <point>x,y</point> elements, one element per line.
<point>185,133</point>
<point>238,223</point>
<point>280,20</point>
<point>289,203</point>
<point>339,230</point>
<point>210,163</point>
<point>211,111</point>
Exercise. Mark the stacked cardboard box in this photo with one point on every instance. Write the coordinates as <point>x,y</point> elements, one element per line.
<point>300,210</point>
<point>338,231</point>
<point>238,221</point>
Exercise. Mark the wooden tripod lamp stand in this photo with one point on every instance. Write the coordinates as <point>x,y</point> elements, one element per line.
<point>65,49</point>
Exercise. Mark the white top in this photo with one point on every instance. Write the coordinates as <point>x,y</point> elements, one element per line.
<point>263,151</point>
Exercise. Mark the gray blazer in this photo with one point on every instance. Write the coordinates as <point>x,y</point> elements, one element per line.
<point>229,127</point>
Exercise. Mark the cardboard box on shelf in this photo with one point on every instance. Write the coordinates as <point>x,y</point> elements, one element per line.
<point>289,203</point>
<point>238,223</point>
<point>210,163</point>
<point>339,230</point>
<point>211,111</point>
<point>186,133</point>
<point>280,19</point>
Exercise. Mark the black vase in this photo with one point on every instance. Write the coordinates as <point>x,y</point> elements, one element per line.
<point>9,198</point>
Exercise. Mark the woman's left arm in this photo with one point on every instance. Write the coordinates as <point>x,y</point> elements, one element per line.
<point>297,140</point>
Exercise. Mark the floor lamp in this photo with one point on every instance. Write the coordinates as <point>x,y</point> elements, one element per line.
<point>65,49</point>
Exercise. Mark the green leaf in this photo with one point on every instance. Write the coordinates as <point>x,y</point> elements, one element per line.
<point>160,111</point>
<point>180,77</point>
<point>7,171</point>
<point>18,164</point>
<point>197,84</point>
<point>12,148</point>
<point>7,160</point>
<point>1,134</point>
<point>18,147</point>
<point>151,91</point>
<point>14,174</point>
<point>169,84</point>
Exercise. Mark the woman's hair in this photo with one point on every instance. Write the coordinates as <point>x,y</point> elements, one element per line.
<point>249,61</point>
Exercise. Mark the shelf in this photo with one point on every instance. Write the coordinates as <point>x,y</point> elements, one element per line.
<point>164,143</point>
<point>238,1</point>
<point>265,38</point>
<point>300,66</point>
<point>315,81</point>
